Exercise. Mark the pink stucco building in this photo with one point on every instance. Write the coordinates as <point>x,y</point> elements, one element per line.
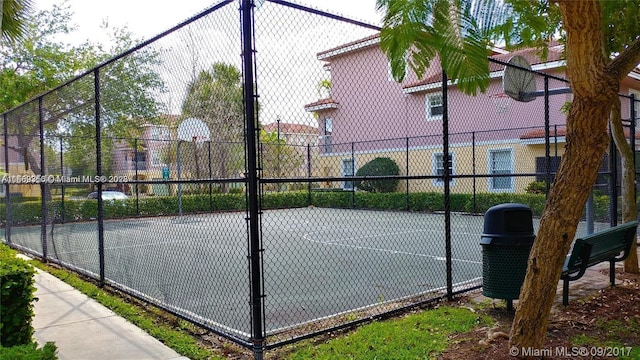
<point>368,113</point>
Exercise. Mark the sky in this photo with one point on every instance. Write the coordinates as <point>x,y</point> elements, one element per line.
<point>147,18</point>
<point>290,70</point>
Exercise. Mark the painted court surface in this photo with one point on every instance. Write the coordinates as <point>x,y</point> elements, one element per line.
<point>317,262</point>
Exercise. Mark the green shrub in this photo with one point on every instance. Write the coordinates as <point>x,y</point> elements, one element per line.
<point>484,201</point>
<point>28,213</point>
<point>380,166</point>
<point>29,352</point>
<point>386,201</point>
<point>536,187</point>
<point>336,199</point>
<point>287,199</point>
<point>16,299</point>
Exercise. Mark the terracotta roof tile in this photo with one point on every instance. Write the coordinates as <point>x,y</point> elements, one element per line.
<point>539,133</point>
<point>329,102</point>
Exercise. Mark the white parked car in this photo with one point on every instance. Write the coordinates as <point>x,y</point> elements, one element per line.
<point>109,195</point>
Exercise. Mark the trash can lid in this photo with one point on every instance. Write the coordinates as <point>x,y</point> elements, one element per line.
<point>508,219</point>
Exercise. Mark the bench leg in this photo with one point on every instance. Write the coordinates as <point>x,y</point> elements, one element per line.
<point>565,292</point>
<point>612,272</point>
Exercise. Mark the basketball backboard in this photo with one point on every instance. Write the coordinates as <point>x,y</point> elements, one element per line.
<point>192,129</point>
<point>518,81</point>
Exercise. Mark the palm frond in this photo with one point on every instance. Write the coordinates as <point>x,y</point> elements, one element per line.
<point>416,32</point>
<point>15,15</point>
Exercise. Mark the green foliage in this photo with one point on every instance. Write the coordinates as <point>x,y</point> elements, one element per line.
<point>28,212</point>
<point>285,200</point>
<point>416,32</point>
<point>380,166</point>
<point>215,97</point>
<point>14,15</point>
<point>279,159</point>
<point>621,23</point>
<point>536,187</point>
<point>29,352</point>
<point>16,299</point>
<point>422,335</point>
<point>334,199</point>
<point>39,62</point>
<point>484,201</point>
<point>44,62</point>
<point>528,24</point>
<point>387,201</point>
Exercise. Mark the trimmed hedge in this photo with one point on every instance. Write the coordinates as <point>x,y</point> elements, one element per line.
<point>30,352</point>
<point>16,299</point>
<point>28,212</point>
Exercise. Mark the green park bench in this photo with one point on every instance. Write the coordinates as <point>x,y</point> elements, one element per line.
<point>610,245</point>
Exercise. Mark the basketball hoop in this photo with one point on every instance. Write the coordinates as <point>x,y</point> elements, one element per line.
<point>501,101</point>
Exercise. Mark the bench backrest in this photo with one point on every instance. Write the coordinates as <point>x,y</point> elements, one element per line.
<point>604,245</point>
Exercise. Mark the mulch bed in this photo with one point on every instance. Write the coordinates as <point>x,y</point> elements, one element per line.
<point>612,314</point>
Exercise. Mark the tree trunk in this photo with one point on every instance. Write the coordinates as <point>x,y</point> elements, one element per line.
<point>587,140</point>
<point>629,210</point>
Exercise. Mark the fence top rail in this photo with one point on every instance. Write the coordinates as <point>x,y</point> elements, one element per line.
<point>325,14</point>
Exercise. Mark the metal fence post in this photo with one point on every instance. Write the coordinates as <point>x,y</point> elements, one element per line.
<point>632,132</point>
<point>447,189</point>
<point>473,169</point>
<point>309,174</point>
<point>255,243</point>
<point>135,165</point>
<point>547,144</point>
<point>408,203</point>
<point>62,187</point>
<point>613,185</point>
<point>43,188</point>
<point>210,176</point>
<point>96,86</point>
<point>7,186</point>
<point>353,173</point>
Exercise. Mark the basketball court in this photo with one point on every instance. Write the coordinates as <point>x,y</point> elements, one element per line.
<point>317,262</point>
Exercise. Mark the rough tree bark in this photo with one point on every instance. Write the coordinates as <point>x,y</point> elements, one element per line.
<point>629,209</point>
<point>587,140</point>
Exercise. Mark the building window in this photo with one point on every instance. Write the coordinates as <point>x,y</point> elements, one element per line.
<point>541,167</point>
<point>159,133</point>
<point>438,168</point>
<point>140,160</point>
<point>325,139</point>
<point>435,107</point>
<point>347,169</point>
<point>501,163</point>
<point>156,158</point>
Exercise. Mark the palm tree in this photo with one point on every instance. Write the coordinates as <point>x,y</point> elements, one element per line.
<point>13,22</point>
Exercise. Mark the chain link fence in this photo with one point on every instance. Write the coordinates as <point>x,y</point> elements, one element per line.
<point>284,192</point>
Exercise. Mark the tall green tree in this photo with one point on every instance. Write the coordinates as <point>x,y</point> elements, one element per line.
<point>39,61</point>
<point>429,28</point>
<point>279,159</point>
<point>215,97</point>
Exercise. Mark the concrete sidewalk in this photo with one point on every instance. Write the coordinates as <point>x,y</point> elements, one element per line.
<point>84,329</point>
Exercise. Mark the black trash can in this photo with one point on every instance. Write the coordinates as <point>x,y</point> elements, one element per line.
<point>506,243</point>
